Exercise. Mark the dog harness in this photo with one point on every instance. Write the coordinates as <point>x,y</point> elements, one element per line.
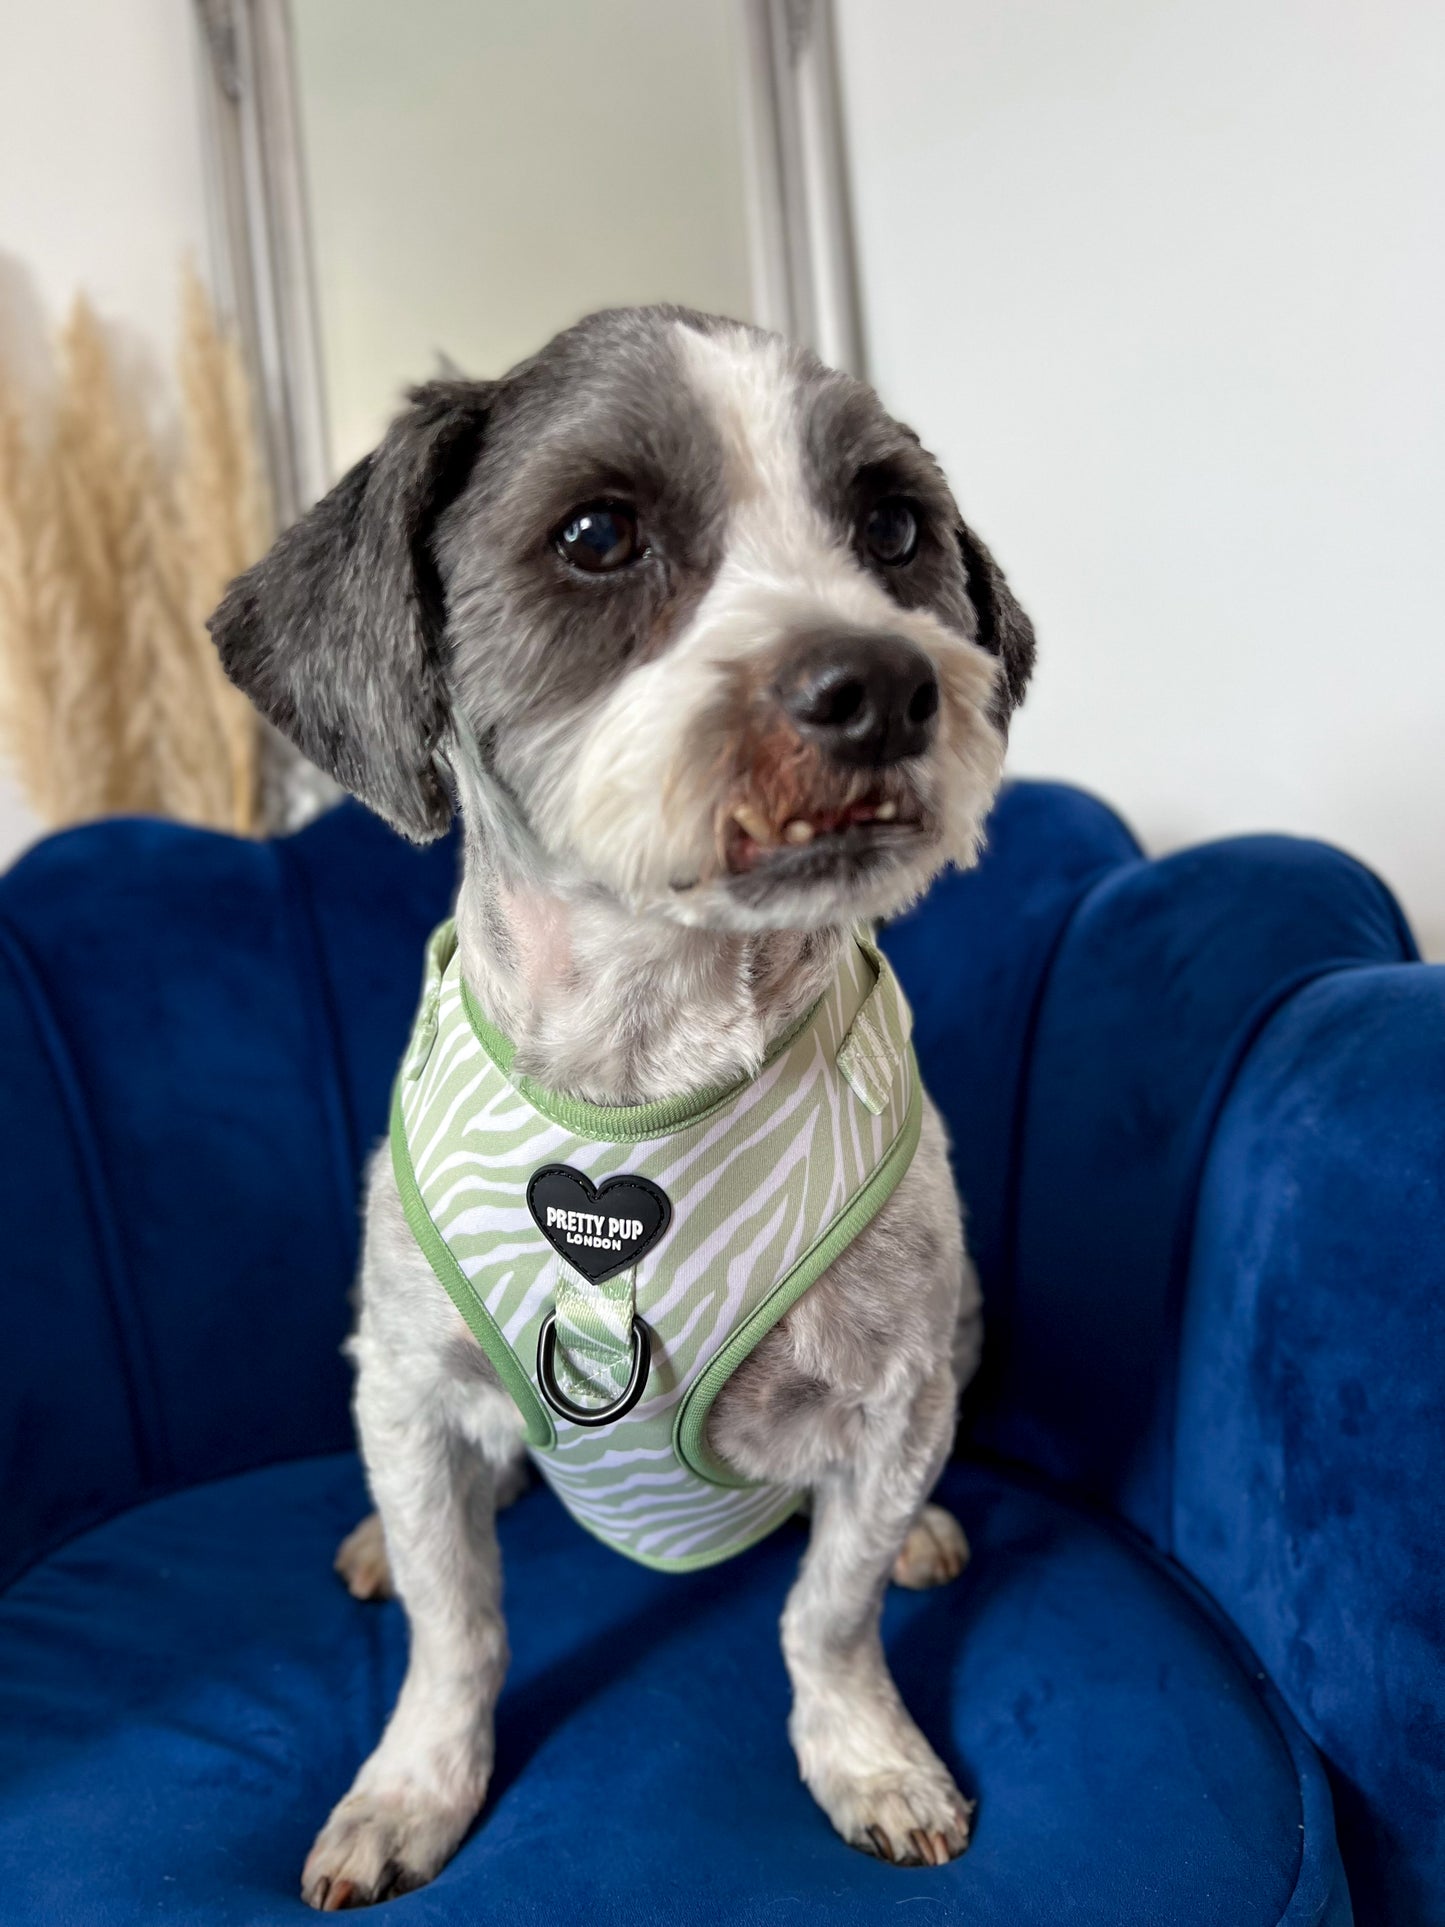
<point>617,1263</point>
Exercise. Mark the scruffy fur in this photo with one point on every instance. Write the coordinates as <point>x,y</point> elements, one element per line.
<point>634,941</point>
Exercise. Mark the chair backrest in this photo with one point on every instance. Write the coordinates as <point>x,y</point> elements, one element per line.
<point>198,1036</point>
<point>199,1033</point>
<point>1081,1013</point>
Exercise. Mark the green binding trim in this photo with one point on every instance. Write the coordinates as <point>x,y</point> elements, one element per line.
<point>616,1123</point>
<point>687,1435</point>
<point>457,1285</point>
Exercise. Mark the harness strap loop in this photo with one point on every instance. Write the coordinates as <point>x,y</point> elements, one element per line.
<point>440,947</point>
<point>594,1355</point>
<point>872,1054</point>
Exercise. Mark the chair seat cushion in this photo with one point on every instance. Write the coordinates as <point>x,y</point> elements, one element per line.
<point>185,1690</point>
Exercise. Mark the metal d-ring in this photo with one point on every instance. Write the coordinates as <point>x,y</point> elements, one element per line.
<point>591,1414</point>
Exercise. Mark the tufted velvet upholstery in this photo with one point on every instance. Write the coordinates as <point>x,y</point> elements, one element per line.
<point>1198,1108</point>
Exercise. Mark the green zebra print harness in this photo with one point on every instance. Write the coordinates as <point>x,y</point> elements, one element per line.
<point>617,1263</point>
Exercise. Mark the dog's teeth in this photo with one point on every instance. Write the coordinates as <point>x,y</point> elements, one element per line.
<point>754,822</point>
<point>798,831</point>
<point>886,812</point>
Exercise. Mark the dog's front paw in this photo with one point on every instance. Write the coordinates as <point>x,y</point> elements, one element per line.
<point>378,1845</point>
<point>873,1773</point>
<point>934,1552</point>
<point>362,1561</point>
<point>914,1817</point>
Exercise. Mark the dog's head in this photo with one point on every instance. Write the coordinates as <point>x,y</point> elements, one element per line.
<point>690,608</point>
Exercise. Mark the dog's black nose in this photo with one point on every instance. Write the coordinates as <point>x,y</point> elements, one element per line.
<point>866,699</point>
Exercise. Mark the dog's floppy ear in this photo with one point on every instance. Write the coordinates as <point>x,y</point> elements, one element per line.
<point>1003,628</point>
<point>335,634</point>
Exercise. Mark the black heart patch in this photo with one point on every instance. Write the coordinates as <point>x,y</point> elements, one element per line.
<point>601,1229</point>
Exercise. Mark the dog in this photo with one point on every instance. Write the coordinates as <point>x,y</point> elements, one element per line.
<point>693,636</point>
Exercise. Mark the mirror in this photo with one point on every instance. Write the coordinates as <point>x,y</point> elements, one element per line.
<point>480,174</point>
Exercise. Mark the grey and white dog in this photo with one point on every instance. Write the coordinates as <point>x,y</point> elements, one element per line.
<point>694,636</point>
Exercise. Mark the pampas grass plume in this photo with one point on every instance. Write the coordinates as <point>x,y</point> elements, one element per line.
<point>116,541</point>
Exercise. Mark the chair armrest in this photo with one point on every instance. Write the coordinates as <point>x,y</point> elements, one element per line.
<point>1308,1493</point>
<point>1162,979</point>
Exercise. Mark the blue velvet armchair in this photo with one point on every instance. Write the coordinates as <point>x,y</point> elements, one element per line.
<point>1194,1672</point>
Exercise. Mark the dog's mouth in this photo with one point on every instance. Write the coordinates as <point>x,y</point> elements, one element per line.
<point>811,839</point>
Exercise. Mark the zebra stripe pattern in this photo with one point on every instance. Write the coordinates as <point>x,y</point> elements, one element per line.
<point>764,1179</point>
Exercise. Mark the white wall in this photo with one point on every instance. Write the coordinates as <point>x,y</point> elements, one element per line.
<point>1163,286</point>
<point>101,188</point>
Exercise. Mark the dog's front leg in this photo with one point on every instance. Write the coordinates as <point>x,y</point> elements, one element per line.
<point>861,1756</point>
<point>415,1797</point>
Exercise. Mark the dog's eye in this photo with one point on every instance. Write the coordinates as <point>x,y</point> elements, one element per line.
<point>597,537</point>
<point>891,531</point>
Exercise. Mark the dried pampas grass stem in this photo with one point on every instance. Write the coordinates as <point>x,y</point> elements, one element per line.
<point>27,673</point>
